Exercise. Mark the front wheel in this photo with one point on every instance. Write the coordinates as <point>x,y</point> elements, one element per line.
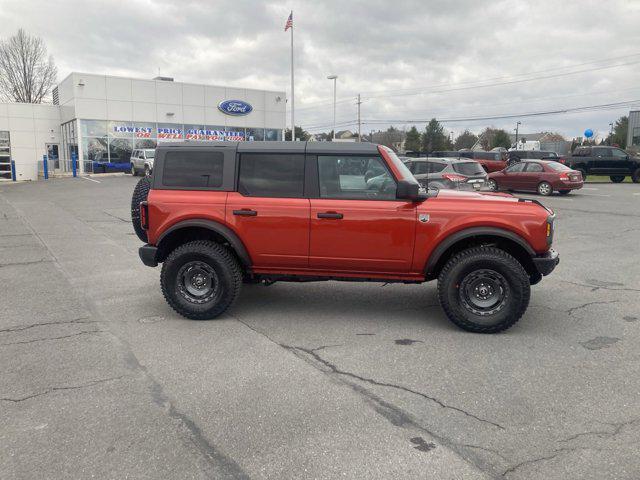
<point>147,171</point>
<point>133,170</point>
<point>617,178</point>
<point>200,279</point>
<point>492,185</point>
<point>483,290</point>
<point>545,189</point>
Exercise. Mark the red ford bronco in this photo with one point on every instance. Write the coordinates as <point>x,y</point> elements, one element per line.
<point>220,214</point>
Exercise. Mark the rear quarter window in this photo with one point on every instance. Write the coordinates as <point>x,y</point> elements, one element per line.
<point>468,168</point>
<point>271,175</point>
<point>193,169</point>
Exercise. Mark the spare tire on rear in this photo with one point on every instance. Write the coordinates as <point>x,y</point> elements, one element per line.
<point>139,195</point>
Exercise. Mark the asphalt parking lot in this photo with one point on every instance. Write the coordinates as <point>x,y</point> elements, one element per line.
<point>101,379</point>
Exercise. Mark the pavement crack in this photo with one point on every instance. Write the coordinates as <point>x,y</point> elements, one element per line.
<point>338,371</point>
<point>20,328</point>
<point>34,262</point>
<point>57,389</point>
<point>117,217</point>
<point>530,462</point>
<point>588,304</point>
<point>603,287</point>
<point>617,428</point>
<point>46,339</point>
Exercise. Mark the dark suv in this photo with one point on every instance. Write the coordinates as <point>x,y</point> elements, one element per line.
<point>222,213</point>
<point>605,161</point>
<point>517,155</point>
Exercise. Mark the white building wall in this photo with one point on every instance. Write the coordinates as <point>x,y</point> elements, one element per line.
<point>31,127</point>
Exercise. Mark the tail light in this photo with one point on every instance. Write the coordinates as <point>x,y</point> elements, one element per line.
<point>454,178</point>
<point>562,160</point>
<point>144,215</point>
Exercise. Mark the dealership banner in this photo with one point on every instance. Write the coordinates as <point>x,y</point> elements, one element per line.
<point>139,132</point>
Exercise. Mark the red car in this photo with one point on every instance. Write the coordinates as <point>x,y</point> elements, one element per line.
<point>222,213</point>
<point>542,176</point>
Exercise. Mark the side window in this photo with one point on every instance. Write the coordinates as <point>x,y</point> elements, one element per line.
<point>518,167</point>
<point>437,167</point>
<point>192,169</point>
<point>339,178</point>
<point>534,167</point>
<point>421,168</point>
<point>618,154</point>
<point>271,175</point>
<point>601,152</point>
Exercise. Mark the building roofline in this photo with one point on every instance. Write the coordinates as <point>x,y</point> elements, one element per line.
<point>165,81</point>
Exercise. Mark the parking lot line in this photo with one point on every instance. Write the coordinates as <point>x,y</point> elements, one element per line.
<point>590,188</point>
<point>91,179</point>
<point>595,194</point>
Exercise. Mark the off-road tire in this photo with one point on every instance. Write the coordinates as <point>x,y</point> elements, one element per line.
<point>216,257</point>
<point>545,189</point>
<point>564,192</point>
<point>140,193</point>
<point>635,177</point>
<point>469,262</point>
<point>617,178</point>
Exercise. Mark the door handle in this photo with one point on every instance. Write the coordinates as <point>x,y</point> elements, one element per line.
<point>332,215</point>
<point>245,213</point>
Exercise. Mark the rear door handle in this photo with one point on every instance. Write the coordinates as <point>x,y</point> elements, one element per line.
<point>333,215</point>
<point>245,213</point>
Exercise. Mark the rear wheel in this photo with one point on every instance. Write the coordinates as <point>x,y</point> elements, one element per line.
<point>147,171</point>
<point>635,177</point>
<point>492,185</point>
<point>140,193</point>
<point>545,189</point>
<point>483,290</point>
<point>200,279</point>
<point>565,192</point>
<point>133,170</point>
<point>617,178</point>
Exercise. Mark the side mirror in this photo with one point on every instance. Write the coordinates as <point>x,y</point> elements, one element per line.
<point>409,190</point>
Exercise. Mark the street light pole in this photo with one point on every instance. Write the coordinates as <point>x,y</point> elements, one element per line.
<point>611,134</point>
<point>334,78</point>
<point>517,125</point>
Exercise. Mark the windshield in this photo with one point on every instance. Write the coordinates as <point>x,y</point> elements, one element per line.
<point>468,168</point>
<point>150,153</point>
<point>404,171</point>
<point>558,167</point>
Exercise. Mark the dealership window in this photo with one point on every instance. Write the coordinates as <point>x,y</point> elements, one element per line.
<point>214,132</point>
<point>235,134</point>
<point>170,132</point>
<point>93,128</point>
<point>94,149</point>
<point>273,134</point>
<point>120,152</point>
<point>193,169</point>
<point>255,134</point>
<point>271,175</point>
<point>5,156</point>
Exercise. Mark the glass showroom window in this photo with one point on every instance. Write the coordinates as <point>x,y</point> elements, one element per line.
<point>234,134</point>
<point>255,134</point>
<point>92,128</point>
<point>214,132</point>
<point>194,132</point>
<point>5,156</point>
<point>273,134</point>
<point>170,132</point>
<point>144,135</point>
<point>120,153</point>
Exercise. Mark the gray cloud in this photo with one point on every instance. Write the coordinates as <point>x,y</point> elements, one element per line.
<point>374,46</point>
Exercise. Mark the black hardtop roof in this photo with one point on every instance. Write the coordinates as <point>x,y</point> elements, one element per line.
<point>353,148</point>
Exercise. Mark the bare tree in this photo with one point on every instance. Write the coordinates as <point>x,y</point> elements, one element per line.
<point>26,72</point>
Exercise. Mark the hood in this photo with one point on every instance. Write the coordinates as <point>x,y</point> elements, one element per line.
<point>486,196</point>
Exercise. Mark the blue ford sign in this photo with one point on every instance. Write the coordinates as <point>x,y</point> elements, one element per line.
<point>235,107</point>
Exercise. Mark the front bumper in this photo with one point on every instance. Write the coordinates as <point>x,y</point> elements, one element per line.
<point>148,254</point>
<point>546,262</point>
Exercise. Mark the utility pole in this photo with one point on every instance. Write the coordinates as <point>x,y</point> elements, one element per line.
<point>611,134</point>
<point>359,123</point>
<point>335,79</point>
<point>517,125</point>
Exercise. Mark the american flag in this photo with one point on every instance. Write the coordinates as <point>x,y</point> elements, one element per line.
<point>289,23</point>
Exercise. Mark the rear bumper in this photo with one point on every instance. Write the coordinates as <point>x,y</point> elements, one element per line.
<point>546,262</point>
<point>148,255</point>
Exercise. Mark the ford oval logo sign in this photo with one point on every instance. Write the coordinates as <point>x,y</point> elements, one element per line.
<point>235,107</point>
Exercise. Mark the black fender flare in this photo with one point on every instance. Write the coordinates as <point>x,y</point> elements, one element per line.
<point>222,230</point>
<point>451,240</point>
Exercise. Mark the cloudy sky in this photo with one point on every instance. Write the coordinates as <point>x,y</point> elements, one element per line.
<point>410,60</point>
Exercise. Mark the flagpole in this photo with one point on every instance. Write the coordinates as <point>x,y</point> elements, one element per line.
<point>293,123</point>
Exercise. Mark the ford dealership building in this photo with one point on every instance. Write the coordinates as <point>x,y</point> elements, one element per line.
<point>100,119</point>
